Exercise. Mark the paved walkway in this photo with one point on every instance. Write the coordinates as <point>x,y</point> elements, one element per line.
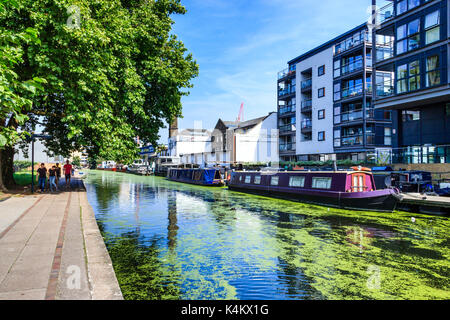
<point>51,248</point>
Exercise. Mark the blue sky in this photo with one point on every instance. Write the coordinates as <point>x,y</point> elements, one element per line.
<point>240,45</point>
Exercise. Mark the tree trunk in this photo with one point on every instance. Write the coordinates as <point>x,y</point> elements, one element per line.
<point>6,169</point>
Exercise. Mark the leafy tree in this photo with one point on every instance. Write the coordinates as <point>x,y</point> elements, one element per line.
<point>76,161</point>
<point>118,74</point>
<point>16,91</point>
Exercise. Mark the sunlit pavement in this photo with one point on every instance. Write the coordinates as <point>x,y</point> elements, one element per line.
<point>51,248</point>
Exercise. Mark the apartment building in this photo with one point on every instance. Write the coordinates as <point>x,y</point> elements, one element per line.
<point>335,119</point>
<point>412,78</point>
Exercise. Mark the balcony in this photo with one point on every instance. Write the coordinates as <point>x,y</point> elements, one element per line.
<point>354,140</point>
<point>306,84</point>
<point>307,105</point>
<point>385,89</point>
<point>306,125</point>
<point>385,13</point>
<point>285,147</point>
<point>287,128</point>
<point>356,115</point>
<point>286,110</point>
<point>385,50</point>
<point>353,42</point>
<point>356,90</point>
<point>286,91</point>
<point>352,67</point>
<point>286,73</point>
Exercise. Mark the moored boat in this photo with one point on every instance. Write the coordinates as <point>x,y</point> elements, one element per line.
<point>205,177</point>
<point>342,189</point>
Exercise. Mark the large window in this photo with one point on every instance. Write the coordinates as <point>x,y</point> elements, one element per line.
<point>321,183</point>
<point>408,77</point>
<point>257,180</point>
<point>298,181</point>
<point>337,91</point>
<point>248,179</point>
<point>408,36</point>
<point>433,76</point>
<point>387,136</point>
<point>432,27</point>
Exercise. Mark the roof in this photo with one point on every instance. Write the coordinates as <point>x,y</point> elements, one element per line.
<point>245,124</point>
<point>326,45</point>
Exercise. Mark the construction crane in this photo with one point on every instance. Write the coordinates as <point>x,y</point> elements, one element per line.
<point>241,114</point>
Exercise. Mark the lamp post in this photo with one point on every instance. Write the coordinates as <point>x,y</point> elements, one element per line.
<point>33,137</point>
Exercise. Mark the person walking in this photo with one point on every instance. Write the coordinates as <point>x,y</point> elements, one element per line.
<point>42,176</point>
<point>52,178</point>
<point>58,173</point>
<point>67,172</point>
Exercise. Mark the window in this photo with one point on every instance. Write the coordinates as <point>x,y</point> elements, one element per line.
<point>413,4</point>
<point>447,109</point>
<point>432,28</point>
<point>321,114</point>
<point>337,138</point>
<point>337,91</point>
<point>387,136</point>
<point>321,136</point>
<point>321,183</point>
<point>257,180</point>
<point>298,181</point>
<point>337,68</point>
<point>410,115</point>
<point>248,179</point>
<point>402,6</point>
<point>408,36</point>
<point>321,71</point>
<point>274,181</point>
<point>433,76</point>
<point>408,77</point>
<point>414,75</point>
<point>321,92</point>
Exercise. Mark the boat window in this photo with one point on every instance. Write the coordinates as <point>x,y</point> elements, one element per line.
<point>321,183</point>
<point>248,179</point>
<point>274,181</point>
<point>240,178</point>
<point>298,181</point>
<point>257,179</point>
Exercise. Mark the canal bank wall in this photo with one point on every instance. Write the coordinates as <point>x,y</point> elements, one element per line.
<point>101,275</point>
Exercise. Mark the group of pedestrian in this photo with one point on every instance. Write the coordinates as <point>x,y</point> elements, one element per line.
<point>54,175</point>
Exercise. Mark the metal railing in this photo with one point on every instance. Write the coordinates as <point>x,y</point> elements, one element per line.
<point>353,41</point>
<point>355,90</point>
<point>287,128</point>
<point>287,147</point>
<point>286,72</point>
<point>385,13</point>
<point>385,89</point>
<point>306,124</point>
<point>306,84</point>
<point>287,109</point>
<point>286,91</point>
<point>306,104</point>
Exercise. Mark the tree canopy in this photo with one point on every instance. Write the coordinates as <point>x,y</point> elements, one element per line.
<point>109,70</point>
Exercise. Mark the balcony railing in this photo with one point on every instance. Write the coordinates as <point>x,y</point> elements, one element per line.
<point>306,124</point>
<point>307,105</point>
<point>355,140</point>
<point>286,91</point>
<point>287,128</point>
<point>287,147</point>
<point>287,109</point>
<point>385,89</point>
<point>353,41</point>
<point>355,90</point>
<point>285,73</point>
<point>385,50</point>
<point>306,84</point>
<point>385,13</point>
<point>356,115</point>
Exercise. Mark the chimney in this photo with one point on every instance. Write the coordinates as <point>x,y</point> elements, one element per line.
<point>173,128</point>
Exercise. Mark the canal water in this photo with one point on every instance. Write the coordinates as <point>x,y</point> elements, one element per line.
<point>175,241</point>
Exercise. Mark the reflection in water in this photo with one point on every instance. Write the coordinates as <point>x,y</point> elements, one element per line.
<point>174,241</point>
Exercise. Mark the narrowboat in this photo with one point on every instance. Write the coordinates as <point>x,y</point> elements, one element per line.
<point>205,177</point>
<point>353,190</point>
